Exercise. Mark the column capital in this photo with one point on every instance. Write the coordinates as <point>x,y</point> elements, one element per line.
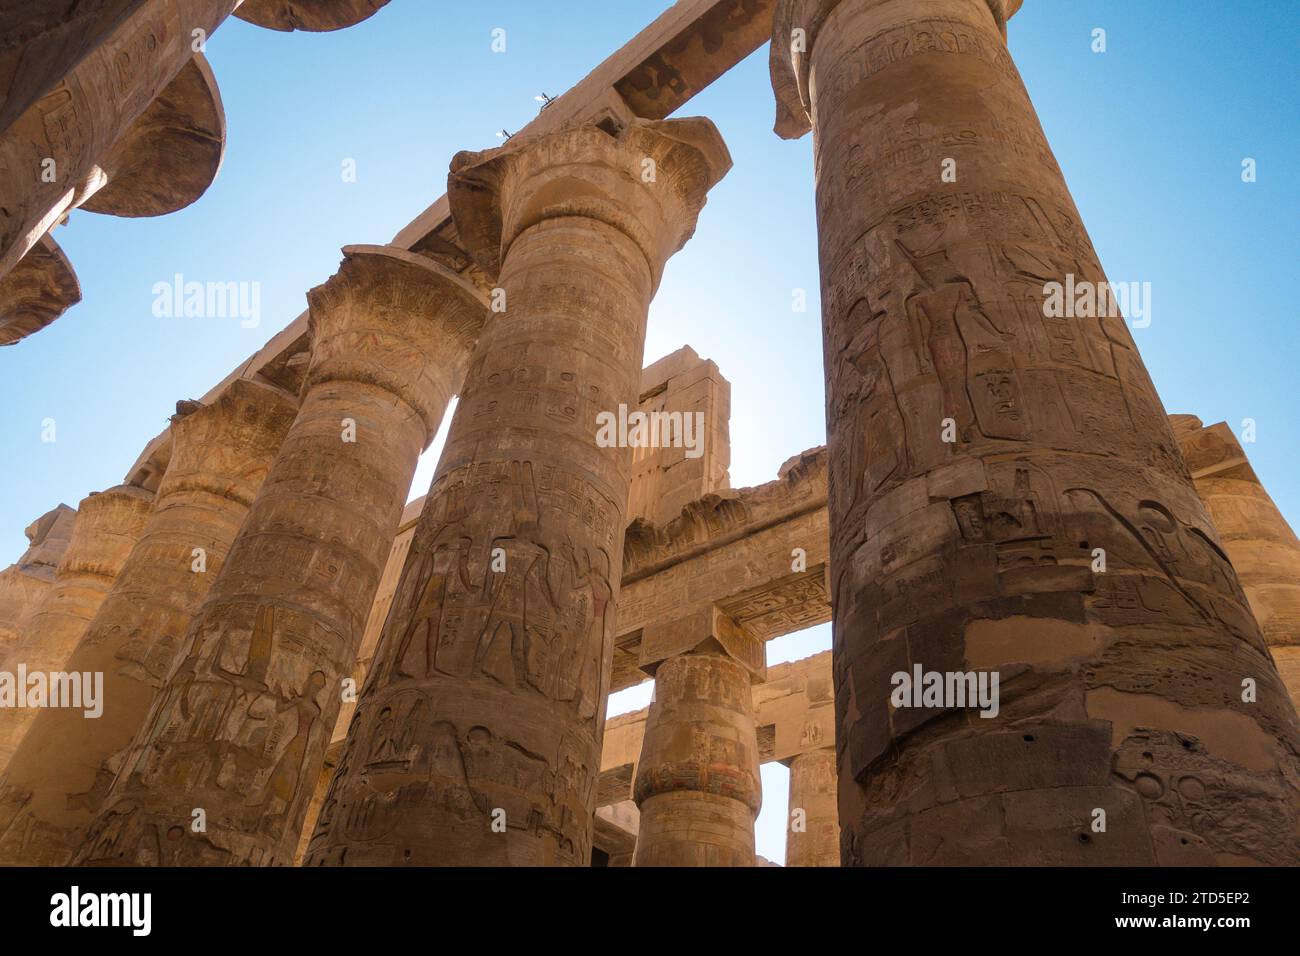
<point>648,179</point>
<point>107,527</point>
<point>40,289</point>
<point>795,26</point>
<point>396,320</point>
<point>312,16</point>
<point>225,448</point>
<point>710,694</point>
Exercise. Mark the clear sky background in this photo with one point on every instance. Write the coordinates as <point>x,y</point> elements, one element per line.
<point>1151,135</point>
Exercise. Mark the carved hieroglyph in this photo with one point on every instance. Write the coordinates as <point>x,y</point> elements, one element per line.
<point>220,454</point>
<point>240,727</point>
<point>477,738</point>
<point>697,782</point>
<point>26,582</point>
<point>1121,689</point>
<point>1264,549</point>
<point>107,527</point>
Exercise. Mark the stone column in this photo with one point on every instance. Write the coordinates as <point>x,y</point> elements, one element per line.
<point>107,527</point>
<point>240,727</point>
<point>813,837</point>
<point>477,737</point>
<point>81,113</point>
<point>697,783</point>
<point>1263,548</point>
<point>25,583</point>
<point>219,455</point>
<point>1007,498</point>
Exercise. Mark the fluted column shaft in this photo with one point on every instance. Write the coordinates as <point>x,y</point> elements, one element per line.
<point>219,455</point>
<point>107,527</point>
<point>697,782</point>
<point>477,738</point>
<point>1006,495</point>
<point>240,728</point>
<point>813,837</point>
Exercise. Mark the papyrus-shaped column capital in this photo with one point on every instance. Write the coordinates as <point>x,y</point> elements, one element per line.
<point>795,27</point>
<point>225,448</point>
<point>649,180</point>
<point>396,320</point>
<point>311,16</point>
<point>107,527</point>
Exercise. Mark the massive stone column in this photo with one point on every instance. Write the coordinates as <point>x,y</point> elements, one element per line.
<point>813,836</point>
<point>1263,548</point>
<point>107,105</point>
<point>219,455</point>
<point>26,582</point>
<point>107,527</point>
<point>477,737</point>
<point>1006,496</point>
<point>240,727</point>
<point>697,783</point>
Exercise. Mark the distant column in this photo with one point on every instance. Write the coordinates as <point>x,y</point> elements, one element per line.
<point>697,783</point>
<point>107,527</point>
<point>813,836</point>
<point>26,582</point>
<point>240,728</point>
<point>1264,550</point>
<point>477,738</point>
<point>219,455</point>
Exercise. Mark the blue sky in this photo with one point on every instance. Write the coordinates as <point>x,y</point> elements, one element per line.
<point>1151,135</point>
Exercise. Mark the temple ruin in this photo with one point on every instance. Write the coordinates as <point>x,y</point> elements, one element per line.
<point>358,680</point>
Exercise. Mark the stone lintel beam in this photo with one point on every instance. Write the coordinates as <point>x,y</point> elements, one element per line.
<point>708,629</point>
<point>313,16</point>
<point>40,289</point>
<point>172,152</point>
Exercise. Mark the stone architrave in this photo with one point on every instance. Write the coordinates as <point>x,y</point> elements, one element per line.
<point>219,456</point>
<point>26,582</point>
<point>813,834</point>
<point>391,337</point>
<point>477,737</point>
<point>697,782</point>
<point>107,527</point>
<point>1007,496</point>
